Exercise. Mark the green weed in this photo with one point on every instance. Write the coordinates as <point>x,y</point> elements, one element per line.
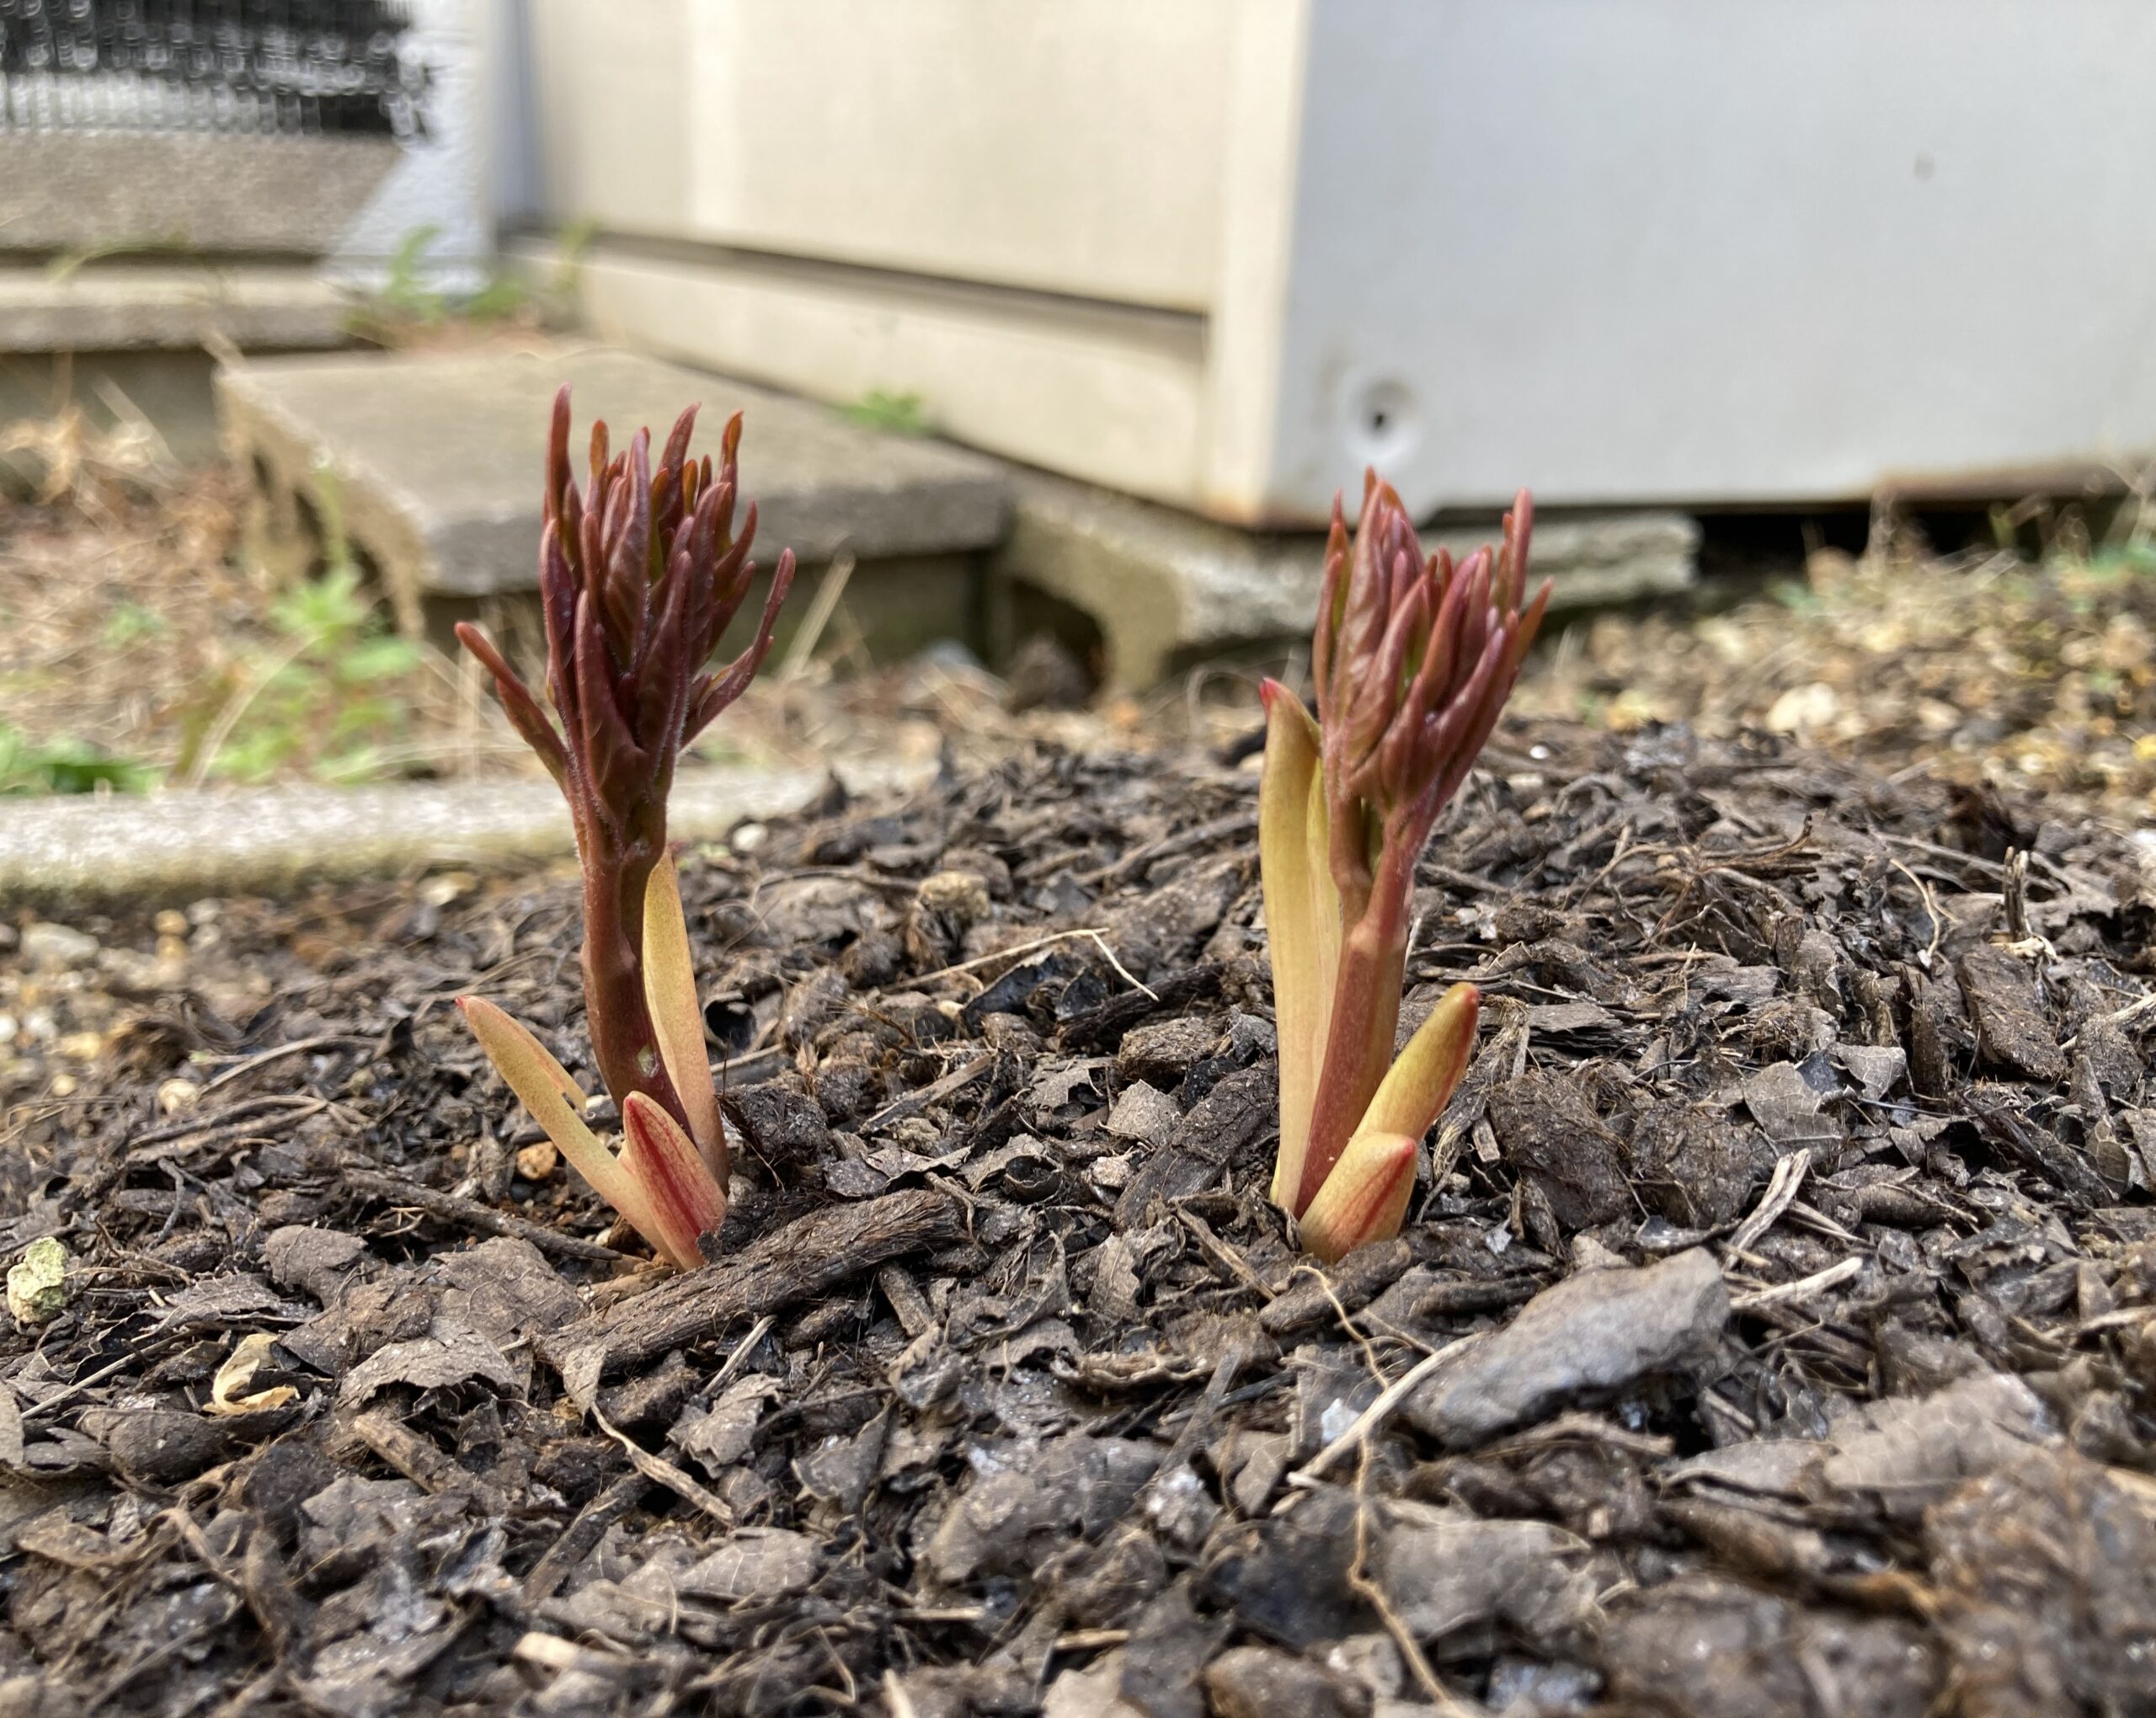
<point>328,697</point>
<point>895,413</point>
<point>65,765</point>
<point>409,301</point>
<point>129,622</point>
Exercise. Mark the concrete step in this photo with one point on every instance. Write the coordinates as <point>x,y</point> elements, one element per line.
<point>127,306</point>
<point>135,335</point>
<point>432,464</point>
<point>436,463</point>
<point>1168,589</point>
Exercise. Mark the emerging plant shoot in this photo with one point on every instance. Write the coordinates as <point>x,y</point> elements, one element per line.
<point>639,574</point>
<point>1413,659</point>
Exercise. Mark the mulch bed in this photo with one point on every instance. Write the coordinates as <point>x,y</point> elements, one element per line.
<point>1774,1332</point>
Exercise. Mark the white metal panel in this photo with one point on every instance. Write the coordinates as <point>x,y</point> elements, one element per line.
<point>1621,250</point>
<point>1266,89</point>
<point>1636,249</point>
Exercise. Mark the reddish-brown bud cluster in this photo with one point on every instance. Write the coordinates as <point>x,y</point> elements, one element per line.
<point>1413,658</point>
<point>640,574</point>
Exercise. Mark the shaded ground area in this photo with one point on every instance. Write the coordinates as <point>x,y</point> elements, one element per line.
<point>1775,1332</point>
<point>135,652</point>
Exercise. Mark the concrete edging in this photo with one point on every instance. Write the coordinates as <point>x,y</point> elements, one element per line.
<point>178,846</point>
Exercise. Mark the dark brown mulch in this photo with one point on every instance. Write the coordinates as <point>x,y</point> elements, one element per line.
<point>1780,1301</point>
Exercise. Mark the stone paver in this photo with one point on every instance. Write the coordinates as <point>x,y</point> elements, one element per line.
<point>1167,587</point>
<point>437,461</point>
<point>73,851</point>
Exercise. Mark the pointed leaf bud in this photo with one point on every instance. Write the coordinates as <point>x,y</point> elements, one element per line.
<point>1364,1198</point>
<point>686,1203</point>
<point>638,575</point>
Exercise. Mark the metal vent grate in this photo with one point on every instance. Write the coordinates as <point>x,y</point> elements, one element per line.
<point>264,66</point>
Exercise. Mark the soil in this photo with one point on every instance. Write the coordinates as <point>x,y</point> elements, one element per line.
<point>1985,669</point>
<point>130,630</point>
<point>1774,1331</point>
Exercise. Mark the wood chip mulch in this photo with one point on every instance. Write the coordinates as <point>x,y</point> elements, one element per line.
<point>1774,1333</point>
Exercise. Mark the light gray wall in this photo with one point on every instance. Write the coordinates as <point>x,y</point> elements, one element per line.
<point>439,180</point>
<point>1635,249</point>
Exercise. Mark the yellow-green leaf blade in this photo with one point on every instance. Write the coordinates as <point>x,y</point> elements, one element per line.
<point>560,1076</point>
<point>1302,915</point>
<point>537,1079</point>
<point>1419,1082</point>
<point>677,1021</point>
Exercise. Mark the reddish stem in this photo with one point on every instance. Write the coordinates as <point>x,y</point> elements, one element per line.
<point>616,1014</point>
<point>1358,1045</point>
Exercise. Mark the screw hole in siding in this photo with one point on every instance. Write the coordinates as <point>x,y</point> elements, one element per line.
<point>1384,428</point>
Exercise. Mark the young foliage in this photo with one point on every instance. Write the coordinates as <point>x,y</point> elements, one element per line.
<point>639,574</point>
<point>1413,659</point>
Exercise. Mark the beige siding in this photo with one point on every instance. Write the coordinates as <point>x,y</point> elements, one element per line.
<point>609,108</point>
<point>1110,397</point>
<point>1074,147</point>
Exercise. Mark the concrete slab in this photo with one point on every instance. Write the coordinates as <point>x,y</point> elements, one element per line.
<point>116,307</point>
<point>437,458</point>
<point>182,847</point>
<point>1167,588</point>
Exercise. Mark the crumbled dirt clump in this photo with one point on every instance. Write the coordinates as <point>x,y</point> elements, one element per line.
<point>1773,1332</point>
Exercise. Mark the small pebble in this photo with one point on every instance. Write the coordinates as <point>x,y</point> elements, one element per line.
<point>950,655</point>
<point>451,885</point>
<point>56,948</point>
<point>37,1286</point>
<point>175,1094</point>
<point>959,895</point>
